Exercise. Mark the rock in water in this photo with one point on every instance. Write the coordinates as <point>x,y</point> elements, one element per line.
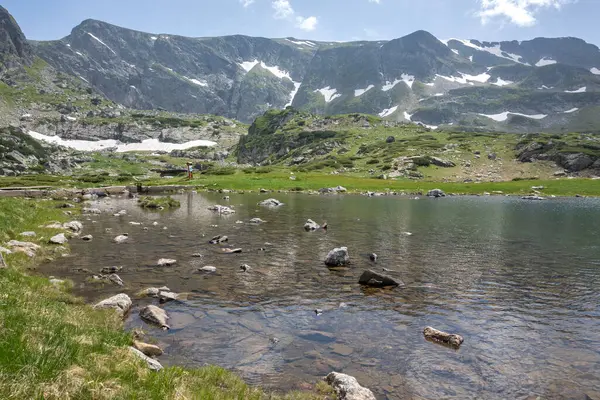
<point>59,239</point>
<point>375,279</point>
<point>121,238</point>
<point>373,257</point>
<point>257,221</point>
<point>270,203</point>
<point>152,363</point>
<point>155,315</point>
<point>533,197</point>
<point>121,303</point>
<point>166,262</point>
<point>87,238</point>
<point>149,350</point>
<point>436,193</point>
<point>208,268</point>
<point>218,239</point>
<point>337,257</point>
<point>347,387</point>
<point>443,337</point>
<point>311,225</point>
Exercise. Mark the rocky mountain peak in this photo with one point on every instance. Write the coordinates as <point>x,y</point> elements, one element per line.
<point>14,48</point>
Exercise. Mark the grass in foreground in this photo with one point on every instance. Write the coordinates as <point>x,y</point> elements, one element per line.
<point>52,346</point>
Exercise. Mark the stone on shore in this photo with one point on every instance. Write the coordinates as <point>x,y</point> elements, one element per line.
<point>443,337</point>
<point>436,193</point>
<point>375,279</point>
<point>311,225</point>
<point>337,257</point>
<point>149,350</point>
<point>28,248</point>
<point>120,303</point>
<point>59,239</point>
<point>270,203</point>
<point>152,363</point>
<point>533,197</point>
<point>74,226</point>
<point>155,315</point>
<point>347,387</point>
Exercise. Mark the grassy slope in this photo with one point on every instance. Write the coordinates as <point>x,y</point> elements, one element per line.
<point>53,346</point>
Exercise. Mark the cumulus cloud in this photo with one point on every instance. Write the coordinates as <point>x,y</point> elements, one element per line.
<point>518,12</point>
<point>284,10</point>
<point>246,3</point>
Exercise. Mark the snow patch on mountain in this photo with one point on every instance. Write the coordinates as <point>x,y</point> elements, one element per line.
<point>146,145</point>
<point>360,92</point>
<point>495,50</point>
<point>466,78</point>
<point>102,43</point>
<point>595,71</point>
<point>294,93</point>
<point>196,81</point>
<point>572,110</point>
<point>248,65</point>
<point>503,116</point>
<point>329,93</point>
<point>455,51</point>
<point>580,90</point>
<point>302,43</point>
<point>545,61</point>
<point>407,116</point>
<point>502,82</point>
<point>406,78</point>
<point>388,112</point>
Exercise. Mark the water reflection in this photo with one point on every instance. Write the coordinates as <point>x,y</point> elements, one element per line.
<point>519,280</point>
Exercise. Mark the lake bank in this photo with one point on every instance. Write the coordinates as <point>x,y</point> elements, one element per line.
<point>55,346</point>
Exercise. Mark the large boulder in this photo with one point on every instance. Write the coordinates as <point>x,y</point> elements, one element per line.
<point>58,239</point>
<point>311,225</point>
<point>436,193</point>
<point>121,238</point>
<point>74,226</point>
<point>575,162</point>
<point>120,303</point>
<point>338,257</point>
<point>375,279</point>
<point>347,387</point>
<point>152,363</point>
<point>441,163</point>
<point>155,315</point>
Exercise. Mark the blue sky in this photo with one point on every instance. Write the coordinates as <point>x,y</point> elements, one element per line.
<point>341,20</point>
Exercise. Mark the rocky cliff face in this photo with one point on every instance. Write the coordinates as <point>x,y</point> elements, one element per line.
<point>14,48</point>
<point>541,84</point>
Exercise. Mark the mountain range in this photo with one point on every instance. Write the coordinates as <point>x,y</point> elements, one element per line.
<point>540,84</point>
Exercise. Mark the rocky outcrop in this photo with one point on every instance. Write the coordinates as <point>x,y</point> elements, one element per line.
<point>15,51</point>
<point>121,303</point>
<point>347,387</point>
<point>338,257</point>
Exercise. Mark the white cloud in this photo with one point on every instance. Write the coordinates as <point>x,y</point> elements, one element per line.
<point>246,3</point>
<point>284,10</point>
<point>307,24</point>
<point>518,12</point>
<point>375,1</point>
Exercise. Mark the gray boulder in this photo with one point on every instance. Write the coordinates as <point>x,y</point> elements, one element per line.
<point>436,193</point>
<point>74,226</point>
<point>270,203</point>
<point>59,239</point>
<point>152,363</point>
<point>441,163</point>
<point>120,303</point>
<point>347,387</point>
<point>575,162</point>
<point>155,315</point>
<point>311,225</point>
<point>257,221</point>
<point>337,257</point>
<point>121,238</point>
<point>375,279</point>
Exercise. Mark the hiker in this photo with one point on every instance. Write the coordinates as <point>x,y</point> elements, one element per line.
<point>189,171</point>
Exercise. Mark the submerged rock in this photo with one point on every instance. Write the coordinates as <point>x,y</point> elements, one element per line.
<point>443,337</point>
<point>218,239</point>
<point>311,225</point>
<point>208,268</point>
<point>337,257</point>
<point>110,270</point>
<point>436,193</point>
<point>232,251</point>
<point>347,387</point>
<point>155,315</point>
<point>152,363</point>
<point>270,203</point>
<point>87,238</point>
<point>375,279</point>
<point>222,209</point>
<point>533,197</point>
<point>120,302</point>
